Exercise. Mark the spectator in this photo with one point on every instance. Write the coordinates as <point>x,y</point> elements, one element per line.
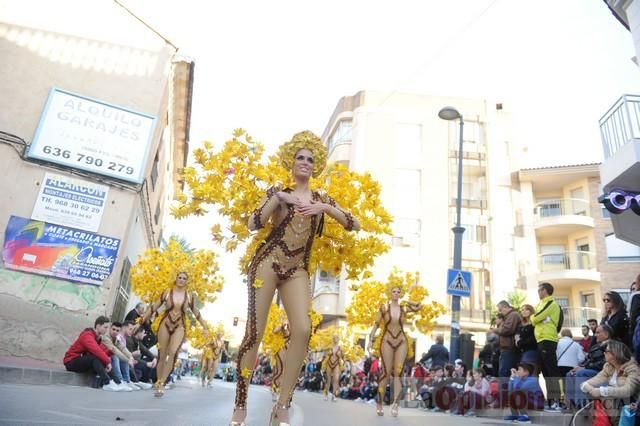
<point>593,326</point>
<point>526,341</point>
<point>545,322</point>
<point>145,361</point>
<point>368,390</point>
<point>121,358</point>
<point>135,313</point>
<point>532,397</point>
<point>586,340</point>
<point>616,316</point>
<point>506,329</point>
<point>418,373</point>
<point>429,389</point>
<point>438,353</point>
<point>634,306</point>
<point>569,353</point>
<point>138,312</point>
<point>489,356</point>
<point>618,379</point>
<point>87,354</point>
<point>475,395</point>
<point>592,364</point>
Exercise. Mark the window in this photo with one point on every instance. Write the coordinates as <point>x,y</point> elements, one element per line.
<point>407,193</point>
<point>154,171</point>
<point>621,251</point>
<point>469,232</point>
<point>342,134</point>
<point>156,216</point>
<point>123,292</point>
<point>408,146</point>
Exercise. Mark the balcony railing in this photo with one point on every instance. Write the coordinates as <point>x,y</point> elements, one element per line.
<point>620,124</point>
<point>577,317</point>
<point>567,260</point>
<point>562,207</point>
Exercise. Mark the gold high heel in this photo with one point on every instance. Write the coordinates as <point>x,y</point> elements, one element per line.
<point>159,390</point>
<point>379,409</point>
<point>394,410</point>
<point>273,420</point>
<point>235,422</point>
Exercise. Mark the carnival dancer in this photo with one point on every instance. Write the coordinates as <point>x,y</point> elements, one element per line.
<point>282,262</point>
<point>394,343</point>
<point>210,359</point>
<point>332,364</point>
<point>171,330</point>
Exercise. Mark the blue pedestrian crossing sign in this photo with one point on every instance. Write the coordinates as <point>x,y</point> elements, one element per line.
<point>458,283</point>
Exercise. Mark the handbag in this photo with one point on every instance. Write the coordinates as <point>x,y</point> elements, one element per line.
<point>600,416</point>
<point>627,417</point>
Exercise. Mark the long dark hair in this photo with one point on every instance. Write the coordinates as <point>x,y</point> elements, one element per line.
<point>616,301</point>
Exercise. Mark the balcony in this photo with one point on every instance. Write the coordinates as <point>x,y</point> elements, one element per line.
<point>568,268</point>
<point>577,317</point>
<point>561,217</point>
<point>620,133</point>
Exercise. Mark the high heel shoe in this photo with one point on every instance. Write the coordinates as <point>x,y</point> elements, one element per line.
<point>379,409</point>
<point>273,420</point>
<point>159,390</point>
<point>394,410</point>
<point>238,422</point>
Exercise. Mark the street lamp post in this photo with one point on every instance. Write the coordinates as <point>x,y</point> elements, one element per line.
<point>450,113</point>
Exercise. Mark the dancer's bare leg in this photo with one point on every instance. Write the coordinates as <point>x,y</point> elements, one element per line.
<point>296,299</point>
<point>258,309</point>
<point>163,349</point>
<point>400,356</point>
<point>336,382</point>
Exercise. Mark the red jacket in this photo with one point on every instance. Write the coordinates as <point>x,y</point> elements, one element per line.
<point>87,342</point>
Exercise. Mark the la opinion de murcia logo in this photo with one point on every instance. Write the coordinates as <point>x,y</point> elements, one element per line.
<point>618,201</point>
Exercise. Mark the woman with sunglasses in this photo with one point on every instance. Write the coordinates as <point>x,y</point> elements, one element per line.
<point>616,316</point>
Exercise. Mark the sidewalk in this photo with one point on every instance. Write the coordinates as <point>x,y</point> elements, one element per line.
<point>28,371</point>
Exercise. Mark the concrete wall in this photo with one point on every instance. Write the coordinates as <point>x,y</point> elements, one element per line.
<point>100,52</point>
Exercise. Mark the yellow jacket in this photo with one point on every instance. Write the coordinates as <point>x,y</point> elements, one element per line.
<point>546,330</point>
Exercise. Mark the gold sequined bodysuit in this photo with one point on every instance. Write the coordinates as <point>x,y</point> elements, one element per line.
<point>174,316</point>
<point>333,360</point>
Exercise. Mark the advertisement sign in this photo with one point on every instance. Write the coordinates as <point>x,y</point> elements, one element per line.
<point>58,251</point>
<point>92,135</point>
<point>71,202</point>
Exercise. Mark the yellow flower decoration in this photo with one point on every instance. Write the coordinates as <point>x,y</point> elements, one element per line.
<point>371,295</point>
<point>257,283</point>
<point>235,178</point>
<point>156,271</point>
<point>246,372</point>
<point>304,140</point>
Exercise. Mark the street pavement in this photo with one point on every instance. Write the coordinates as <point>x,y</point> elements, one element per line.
<point>189,404</point>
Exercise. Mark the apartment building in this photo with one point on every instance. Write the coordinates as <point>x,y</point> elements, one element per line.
<point>94,131</point>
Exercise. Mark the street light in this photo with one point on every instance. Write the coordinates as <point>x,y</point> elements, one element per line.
<point>450,113</point>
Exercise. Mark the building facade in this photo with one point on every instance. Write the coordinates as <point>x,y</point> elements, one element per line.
<point>94,133</point>
<point>521,226</point>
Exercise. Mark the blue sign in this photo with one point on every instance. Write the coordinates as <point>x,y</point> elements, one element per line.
<point>58,251</point>
<point>458,283</point>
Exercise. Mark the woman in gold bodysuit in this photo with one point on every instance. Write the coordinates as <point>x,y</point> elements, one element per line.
<point>394,345</point>
<point>211,358</point>
<point>282,262</point>
<point>171,331</point>
<point>332,369</point>
<point>279,358</point>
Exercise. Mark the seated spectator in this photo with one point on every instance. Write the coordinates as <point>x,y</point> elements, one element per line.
<point>593,363</point>
<point>86,354</point>
<point>429,390</point>
<point>525,393</point>
<point>475,394</point>
<point>619,379</point>
<point>145,361</point>
<point>569,354</point>
<point>121,358</point>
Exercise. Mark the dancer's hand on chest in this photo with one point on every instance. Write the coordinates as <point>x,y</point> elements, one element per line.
<point>311,208</point>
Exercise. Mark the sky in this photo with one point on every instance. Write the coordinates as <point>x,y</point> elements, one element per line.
<point>275,68</point>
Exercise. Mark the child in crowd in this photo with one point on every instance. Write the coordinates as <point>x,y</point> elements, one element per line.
<point>524,393</point>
